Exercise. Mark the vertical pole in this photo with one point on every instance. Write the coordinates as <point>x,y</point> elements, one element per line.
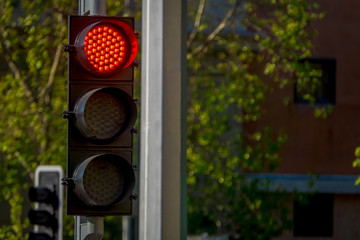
<point>163,119</point>
<point>90,228</point>
<point>92,7</point>
<point>97,7</point>
<point>151,138</point>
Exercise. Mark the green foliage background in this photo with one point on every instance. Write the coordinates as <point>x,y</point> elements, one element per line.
<point>233,62</point>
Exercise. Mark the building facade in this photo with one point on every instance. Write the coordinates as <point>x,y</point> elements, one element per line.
<point>319,152</point>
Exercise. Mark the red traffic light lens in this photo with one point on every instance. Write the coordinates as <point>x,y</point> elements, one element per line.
<point>106,48</point>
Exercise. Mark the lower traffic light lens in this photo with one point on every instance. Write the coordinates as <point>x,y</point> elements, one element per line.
<point>104,180</point>
<point>43,217</point>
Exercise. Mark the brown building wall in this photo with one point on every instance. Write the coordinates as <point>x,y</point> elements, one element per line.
<point>326,146</point>
<point>316,145</point>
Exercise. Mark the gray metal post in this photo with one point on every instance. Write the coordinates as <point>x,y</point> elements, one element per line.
<point>92,7</point>
<point>90,228</point>
<point>162,195</point>
<point>151,138</point>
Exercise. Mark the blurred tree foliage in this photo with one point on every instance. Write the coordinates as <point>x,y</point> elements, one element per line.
<point>356,162</point>
<point>237,52</point>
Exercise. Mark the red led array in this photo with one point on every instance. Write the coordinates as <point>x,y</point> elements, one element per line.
<point>105,48</point>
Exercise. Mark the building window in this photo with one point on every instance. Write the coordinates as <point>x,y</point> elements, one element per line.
<point>314,216</point>
<point>320,84</point>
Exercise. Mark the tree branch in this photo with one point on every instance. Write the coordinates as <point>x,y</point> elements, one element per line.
<point>45,92</point>
<point>216,31</point>
<point>14,69</point>
<point>16,72</point>
<point>196,23</point>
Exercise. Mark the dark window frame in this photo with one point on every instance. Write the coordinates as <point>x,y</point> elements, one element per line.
<point>326,94</point>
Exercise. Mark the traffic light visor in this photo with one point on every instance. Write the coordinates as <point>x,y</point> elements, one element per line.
<point>106,47</point>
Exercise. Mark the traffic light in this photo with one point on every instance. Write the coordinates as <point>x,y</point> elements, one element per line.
<point>47,194</point>
<point>101,115</point>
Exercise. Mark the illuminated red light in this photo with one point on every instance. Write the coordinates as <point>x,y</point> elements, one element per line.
<point>107,47</point>
<point>102,45</point>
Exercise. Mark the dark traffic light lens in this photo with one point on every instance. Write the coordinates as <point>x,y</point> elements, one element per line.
<point>43,195</point>
<point>43,217</point>
<point>105,113</point>
<point>39,194</point>
<point>104,180</point>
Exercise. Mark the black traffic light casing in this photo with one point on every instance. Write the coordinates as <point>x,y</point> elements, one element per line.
<point>47,194</point>
<point>101,114</point>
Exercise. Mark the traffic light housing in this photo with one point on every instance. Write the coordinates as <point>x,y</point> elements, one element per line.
<point>101,115</point>
<point>47,215</point>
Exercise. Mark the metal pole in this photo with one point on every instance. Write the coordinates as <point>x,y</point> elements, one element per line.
<point>151,157</point>
<point>162,195</point>
<point>97,7</point>
<point>92,7</point>
<point>90,228</point>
